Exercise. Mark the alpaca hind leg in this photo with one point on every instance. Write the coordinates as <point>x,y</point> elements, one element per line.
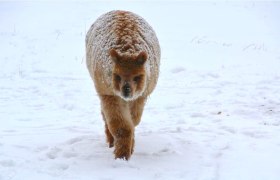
<point>109,137</point>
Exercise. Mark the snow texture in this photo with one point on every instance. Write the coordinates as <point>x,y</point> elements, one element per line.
<point>215,113</point>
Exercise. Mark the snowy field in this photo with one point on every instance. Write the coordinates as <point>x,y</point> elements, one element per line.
<point>215,114</point>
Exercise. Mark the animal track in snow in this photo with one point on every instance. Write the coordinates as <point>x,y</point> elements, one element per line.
<point>228,129</point>
<point>69,154</point>
<point>164,151</point>
<point>178,70</point>
<point>53,153</point>
<point>75,140</point>
<point>197,115</point>
<point>60,167</point>
<point>254,133</point>
<point>7,163</point>
<point>41,149</point>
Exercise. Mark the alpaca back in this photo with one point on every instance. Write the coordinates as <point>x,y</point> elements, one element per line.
<point>128,34</point>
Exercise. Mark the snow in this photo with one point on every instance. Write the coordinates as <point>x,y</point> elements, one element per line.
<point>215,113</point>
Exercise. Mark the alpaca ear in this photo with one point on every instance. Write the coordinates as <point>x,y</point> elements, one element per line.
<point>114,55</point>
<point>141,58</point>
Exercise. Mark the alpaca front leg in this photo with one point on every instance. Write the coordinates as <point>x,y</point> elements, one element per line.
<point>136,109</point>
<point>124,143</point>
<point>120,125</point>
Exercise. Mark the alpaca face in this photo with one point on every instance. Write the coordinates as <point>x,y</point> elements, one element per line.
<point>128,87</point>
<point>129,76</point>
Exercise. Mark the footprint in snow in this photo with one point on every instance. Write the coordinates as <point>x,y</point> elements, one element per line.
<point>69,155</point>
<point>7,163</point>
<point>164,151</point>
<point>53,153</point>
<point>197,115</point>
<point>75,140</point>
<point>178,70</point>
<point>41,149</point>
<point>60,167</point>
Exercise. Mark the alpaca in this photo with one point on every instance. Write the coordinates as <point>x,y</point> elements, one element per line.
<point>123,59</point>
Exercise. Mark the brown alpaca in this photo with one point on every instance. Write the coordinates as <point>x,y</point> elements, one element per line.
<point>123,58</point>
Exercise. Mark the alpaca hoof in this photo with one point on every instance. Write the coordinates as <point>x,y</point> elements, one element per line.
<point>122,151</point>
<point>123,154</point>
<point>111,145</point>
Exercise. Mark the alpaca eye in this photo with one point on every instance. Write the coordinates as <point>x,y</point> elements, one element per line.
<point>117,78</point>
<point>137,78</point>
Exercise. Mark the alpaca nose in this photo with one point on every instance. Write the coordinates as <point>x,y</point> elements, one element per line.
<point>126,90</point>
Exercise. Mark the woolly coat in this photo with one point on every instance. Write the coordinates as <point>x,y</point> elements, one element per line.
<point>128,34</point>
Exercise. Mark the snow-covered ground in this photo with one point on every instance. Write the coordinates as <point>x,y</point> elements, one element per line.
<point>215,113</point>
